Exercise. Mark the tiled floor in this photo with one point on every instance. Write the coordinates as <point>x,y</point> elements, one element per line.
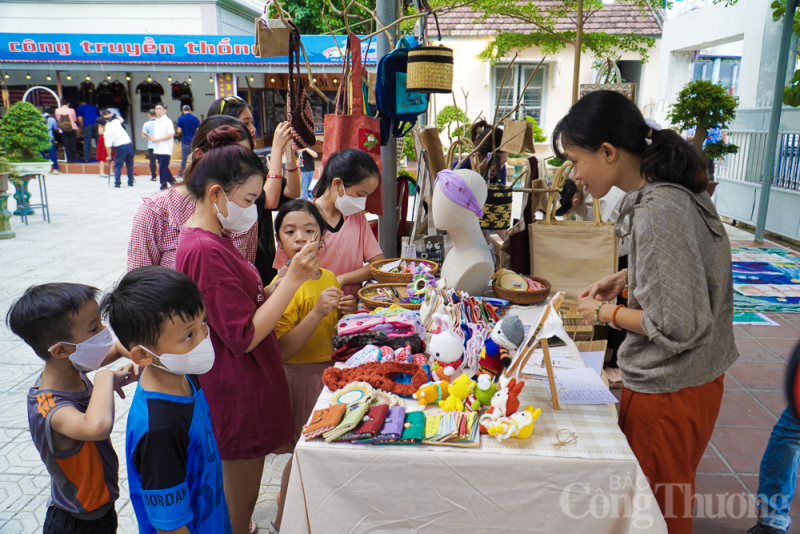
<point>87,241</point>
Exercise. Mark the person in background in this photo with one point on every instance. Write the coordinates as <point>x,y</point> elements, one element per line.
<point>117,140</point>
<point>234,106</point>
<point>246,389</point>
<point>147,133</point>
<point>187,126</point>
<point>307,168</point>
<point>52,152</point>
<point>777,479</point>
<point>102,153</point>
<point>174,468</point>
<point>163,139</point>
<point>679,318</point>
<point>347,179</point>
<point>481,135</point>
<point>277,190</point>
<point>87,118</point>
<point>71,419</point>
<point>68,126</point>
<point>158,221</point>
<point>576,199</point>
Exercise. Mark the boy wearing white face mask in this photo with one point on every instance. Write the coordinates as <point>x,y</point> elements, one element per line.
<point>71,419</point>
<point>347,179</point>
<point>174,467</point>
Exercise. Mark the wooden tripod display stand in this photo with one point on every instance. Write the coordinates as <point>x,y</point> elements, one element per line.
<point>526,351</point>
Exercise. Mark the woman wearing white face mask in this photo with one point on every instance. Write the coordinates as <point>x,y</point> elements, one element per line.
<point>246,388</point>
<point>348,178</point>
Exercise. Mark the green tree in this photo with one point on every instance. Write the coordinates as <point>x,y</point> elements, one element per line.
<point>705,105</point>
<point>550,37</point>
<point>23,133</point>
<point>791,93</point>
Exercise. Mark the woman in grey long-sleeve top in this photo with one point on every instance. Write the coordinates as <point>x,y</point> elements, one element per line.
<point>680,289</point>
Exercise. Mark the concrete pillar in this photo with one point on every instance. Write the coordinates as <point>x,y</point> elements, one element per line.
<point>715,70</point>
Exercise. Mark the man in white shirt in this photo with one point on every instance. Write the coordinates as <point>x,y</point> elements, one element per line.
<point>147,133</point>
<point>117,138</point>
<point>163,139</point>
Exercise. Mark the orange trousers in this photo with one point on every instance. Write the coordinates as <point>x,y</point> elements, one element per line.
<point>669,433</point>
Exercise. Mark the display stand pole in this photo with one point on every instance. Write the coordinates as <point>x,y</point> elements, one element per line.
<point>551,377</point>
<point>387,223</point>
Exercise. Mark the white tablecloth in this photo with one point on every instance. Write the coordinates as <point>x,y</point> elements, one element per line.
<point>595,486</point>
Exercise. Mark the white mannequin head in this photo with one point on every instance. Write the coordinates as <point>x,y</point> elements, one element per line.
<point>449,216</point>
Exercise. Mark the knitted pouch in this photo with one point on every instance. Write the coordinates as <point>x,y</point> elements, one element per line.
<point>324,420</point>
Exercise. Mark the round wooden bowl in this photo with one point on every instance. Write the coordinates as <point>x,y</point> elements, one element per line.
<point>366,294</point>
<point>523,298</point>
<point>398,278</point>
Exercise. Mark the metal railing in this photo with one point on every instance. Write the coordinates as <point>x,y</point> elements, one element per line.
<point>747,164</point>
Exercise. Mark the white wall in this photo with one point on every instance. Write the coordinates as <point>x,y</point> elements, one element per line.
<point>711,25</point>
<point>474,77</point>
<point>127,17</point>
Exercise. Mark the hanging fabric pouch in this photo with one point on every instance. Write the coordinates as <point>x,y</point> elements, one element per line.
<point>272,36</point>
<point>301,118</point>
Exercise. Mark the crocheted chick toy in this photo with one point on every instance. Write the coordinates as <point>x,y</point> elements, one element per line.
<point>519,425</point>
<point>460,389</point>
<point>432,393</point>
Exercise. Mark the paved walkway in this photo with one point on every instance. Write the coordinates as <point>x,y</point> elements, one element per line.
<point>87,243</point>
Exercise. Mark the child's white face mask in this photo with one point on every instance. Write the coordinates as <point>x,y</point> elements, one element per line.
<point>197,361</point>
<point>89,355</point>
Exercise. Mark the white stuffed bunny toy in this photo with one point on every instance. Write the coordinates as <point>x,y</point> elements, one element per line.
<point>446,348</point>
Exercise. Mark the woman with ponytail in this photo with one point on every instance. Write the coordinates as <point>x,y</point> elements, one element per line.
<point>679,318</point>
<point>347,179</point>
<point>158,221</point>
<point>246,388</point>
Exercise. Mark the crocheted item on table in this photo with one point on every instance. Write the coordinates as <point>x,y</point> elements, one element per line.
<point>378,375</point>
<point>509,332</point>
<point>346,346</point>
<point>368,354</point>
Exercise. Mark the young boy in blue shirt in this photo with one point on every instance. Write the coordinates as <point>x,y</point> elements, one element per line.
<point>70,419</point>
<point>174,468</point>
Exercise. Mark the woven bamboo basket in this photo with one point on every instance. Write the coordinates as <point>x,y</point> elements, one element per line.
<point>430,68</point>
<point>366,294</point>
<point>523,298</point>
<point>398,278</point>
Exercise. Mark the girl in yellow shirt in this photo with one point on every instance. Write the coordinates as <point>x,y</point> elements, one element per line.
<point>306,330</point>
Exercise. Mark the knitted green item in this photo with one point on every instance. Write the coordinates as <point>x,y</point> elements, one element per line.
<point>484,392</point>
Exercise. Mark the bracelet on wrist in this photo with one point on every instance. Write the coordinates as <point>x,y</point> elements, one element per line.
<point>292,169</point>
<point>614,317</point>
<point>275,176</point>
<point>597,314</point>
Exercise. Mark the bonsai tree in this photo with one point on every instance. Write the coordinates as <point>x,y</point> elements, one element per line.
<point>705,105</point>
<point>454,121</point>
<point>23,133</point>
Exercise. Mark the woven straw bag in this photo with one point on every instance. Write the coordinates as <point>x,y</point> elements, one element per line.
<point>272,36</point>
<point>626,89</point>
<point>430,68</point>
<point>300,116</point>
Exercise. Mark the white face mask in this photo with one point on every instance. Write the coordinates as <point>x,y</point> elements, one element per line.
<point>90,354</point>
<point>239,219</point>
<point>350,205</point>
<point>197,361</point>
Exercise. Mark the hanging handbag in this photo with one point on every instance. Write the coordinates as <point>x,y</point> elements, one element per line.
<point>497,210</point>
<point>430,68</point>
<point>272,36</point>
<point>517,137</point>
<point>627,89</point>
<point>300,117</point>
<point>354,129</point>
<point>572,255</point>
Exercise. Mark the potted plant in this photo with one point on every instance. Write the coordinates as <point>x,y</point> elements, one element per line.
<point>709,109</point>
<point>5,173</point>
<point>23,134</point>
